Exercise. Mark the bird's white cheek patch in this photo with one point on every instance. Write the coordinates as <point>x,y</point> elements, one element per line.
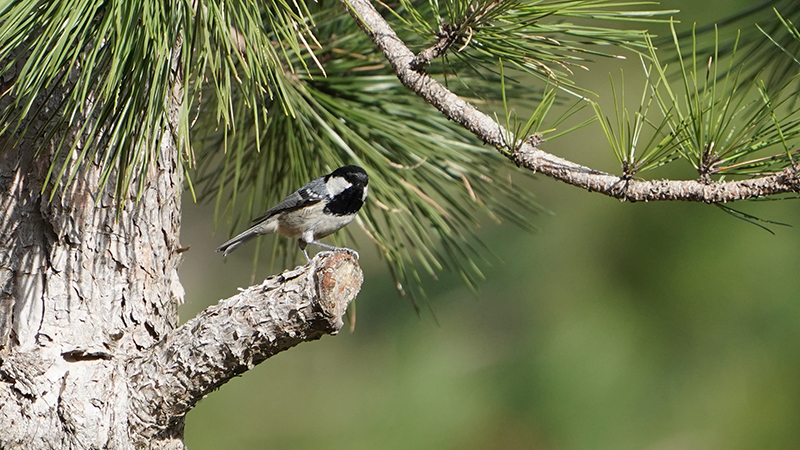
<point>364,195</point>
<point>337,185</point>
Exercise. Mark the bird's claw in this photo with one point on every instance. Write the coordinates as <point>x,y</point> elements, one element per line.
<point>343,249</point>
<point>351,251</point>
<point>324,253</point>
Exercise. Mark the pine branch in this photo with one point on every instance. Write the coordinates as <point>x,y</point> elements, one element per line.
<point>236,334</point>
<point>537,160</point>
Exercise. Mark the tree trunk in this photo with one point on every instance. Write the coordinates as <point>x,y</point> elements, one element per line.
<point>83,287</point>
<point>90,356</point>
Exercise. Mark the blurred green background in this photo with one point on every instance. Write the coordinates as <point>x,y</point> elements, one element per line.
<point>618,326</point>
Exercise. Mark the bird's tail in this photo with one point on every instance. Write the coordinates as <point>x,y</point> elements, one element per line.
<point>237,241</point>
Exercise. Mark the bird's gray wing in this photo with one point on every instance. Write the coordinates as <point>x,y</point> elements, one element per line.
<point>313,192</point>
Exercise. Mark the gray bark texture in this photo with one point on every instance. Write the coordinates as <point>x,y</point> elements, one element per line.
<point>91,355</point>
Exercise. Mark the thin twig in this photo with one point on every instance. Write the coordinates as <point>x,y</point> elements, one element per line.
<point>447,36</point>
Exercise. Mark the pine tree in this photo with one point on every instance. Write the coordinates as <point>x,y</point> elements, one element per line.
<point>112,108</point>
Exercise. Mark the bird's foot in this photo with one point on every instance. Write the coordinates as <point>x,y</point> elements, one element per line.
<point>351,251</point>
<point>337,249</point>
<point>332,248</point>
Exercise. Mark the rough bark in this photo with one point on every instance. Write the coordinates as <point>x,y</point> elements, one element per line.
<point>83,286</point>
<point>233,336</point>
<point>407,67</point>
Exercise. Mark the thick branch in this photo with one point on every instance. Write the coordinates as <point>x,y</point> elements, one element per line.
<point>234,335</point>
<point>533,158</point>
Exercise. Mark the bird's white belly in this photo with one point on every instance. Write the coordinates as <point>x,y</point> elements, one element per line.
<point>311,223</point>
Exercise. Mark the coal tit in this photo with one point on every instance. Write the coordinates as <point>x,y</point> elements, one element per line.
<point>320,208</point>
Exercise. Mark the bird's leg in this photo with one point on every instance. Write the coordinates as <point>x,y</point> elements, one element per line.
<point>302,245</point>
<point>332,248</point>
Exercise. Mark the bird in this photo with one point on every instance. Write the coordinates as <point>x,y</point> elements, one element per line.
<point>320,208</point>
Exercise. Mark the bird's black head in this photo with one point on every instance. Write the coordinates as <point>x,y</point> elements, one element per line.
<point>352,174</point>
<point>347,187</point>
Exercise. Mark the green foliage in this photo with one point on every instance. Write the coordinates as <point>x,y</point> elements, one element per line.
<point>791,31</point>
<point>119,64</point>
<point>625,133</point>
<point>764,46</point>
<point>533,131</point>
<point>712,116</point>
<point>548,39</point>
